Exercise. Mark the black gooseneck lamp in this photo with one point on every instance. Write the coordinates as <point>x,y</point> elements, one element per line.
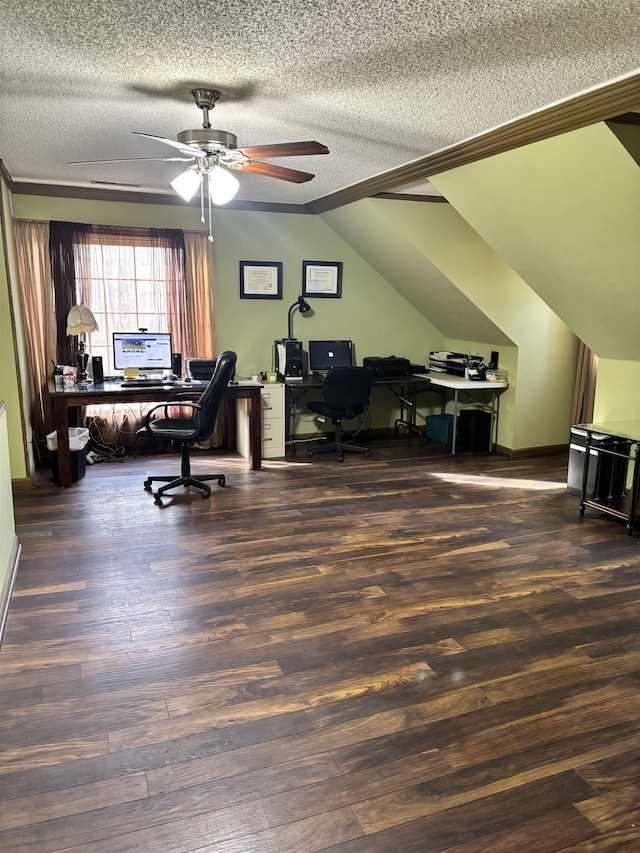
<point>303,307</point>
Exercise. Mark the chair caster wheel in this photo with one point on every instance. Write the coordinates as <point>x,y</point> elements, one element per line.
<point>221,481</point>
<point>340,458</point>
<point>157,499</point>
<point>366,453</point>
<point>206,494</point>
<point>147,485</point>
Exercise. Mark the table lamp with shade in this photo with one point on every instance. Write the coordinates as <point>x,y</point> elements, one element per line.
<point>80,322</point>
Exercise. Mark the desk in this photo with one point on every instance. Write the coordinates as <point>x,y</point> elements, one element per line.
<point>405,389</point>
<point>112,392</point>
<point>443,383</point>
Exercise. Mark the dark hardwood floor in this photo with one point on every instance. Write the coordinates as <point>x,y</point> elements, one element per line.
<point>408,653</point>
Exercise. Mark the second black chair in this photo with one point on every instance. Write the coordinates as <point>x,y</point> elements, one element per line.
<point>346,392</point>
<point>186,432</point>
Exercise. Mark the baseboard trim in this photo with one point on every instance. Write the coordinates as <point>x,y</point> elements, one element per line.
<point>522,452</point>
<point>7,588</point>
<point>24,482</point>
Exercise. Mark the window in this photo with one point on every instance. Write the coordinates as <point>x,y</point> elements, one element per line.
<point>130,281</point>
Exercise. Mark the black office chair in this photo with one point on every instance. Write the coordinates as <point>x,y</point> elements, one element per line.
<point>346,392</point>
<point>186,431</point>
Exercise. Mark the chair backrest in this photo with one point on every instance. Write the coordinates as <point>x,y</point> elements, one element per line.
<point>213,394</point>
<point>348,389</point>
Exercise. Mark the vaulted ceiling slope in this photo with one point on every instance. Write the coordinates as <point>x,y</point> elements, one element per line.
<point>383,85</point>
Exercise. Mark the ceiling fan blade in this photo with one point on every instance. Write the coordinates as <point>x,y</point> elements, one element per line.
<point>269,171</point>
<point>284,149</point>
<point>132,160</point>
<point>190,150</point>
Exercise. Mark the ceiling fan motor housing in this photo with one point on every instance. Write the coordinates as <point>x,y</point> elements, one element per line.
<point>208,139</point>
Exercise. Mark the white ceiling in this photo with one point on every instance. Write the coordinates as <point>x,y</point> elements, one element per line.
<point>380,83</point>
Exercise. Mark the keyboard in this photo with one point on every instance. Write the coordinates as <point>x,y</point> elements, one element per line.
<point>147,383</point>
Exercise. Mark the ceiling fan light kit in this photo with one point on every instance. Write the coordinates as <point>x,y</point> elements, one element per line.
<point>216,152</point>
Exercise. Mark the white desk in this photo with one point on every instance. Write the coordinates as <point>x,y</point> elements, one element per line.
<point>443,382</point>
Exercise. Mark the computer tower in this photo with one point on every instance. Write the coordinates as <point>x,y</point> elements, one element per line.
<point>176,364</point>
<point>97,370</point>
<point>288,359</point>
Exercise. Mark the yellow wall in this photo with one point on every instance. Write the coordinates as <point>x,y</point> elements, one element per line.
<point>371,312</point>
<point>11,340</point>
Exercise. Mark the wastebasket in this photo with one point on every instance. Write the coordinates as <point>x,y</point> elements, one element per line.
<point>439,428</point>
<point>78,440</point>
<point>474,430</point>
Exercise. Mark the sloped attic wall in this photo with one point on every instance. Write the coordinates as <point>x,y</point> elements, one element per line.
<point>565,214</point>
<point>441,265</point>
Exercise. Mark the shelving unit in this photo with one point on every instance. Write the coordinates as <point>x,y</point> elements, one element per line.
<point>616,463</point>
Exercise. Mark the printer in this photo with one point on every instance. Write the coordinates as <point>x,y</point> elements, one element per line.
<point>200,368</point>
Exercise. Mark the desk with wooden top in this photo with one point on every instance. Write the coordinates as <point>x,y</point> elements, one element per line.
<point>113,392</point>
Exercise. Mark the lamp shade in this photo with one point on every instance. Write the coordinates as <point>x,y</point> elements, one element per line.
<point>80,320</point>
<point>222,185</point>
<point>187,183</point>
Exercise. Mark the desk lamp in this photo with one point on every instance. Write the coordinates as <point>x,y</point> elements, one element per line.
<point>303,307</point>
<point>80,322</point>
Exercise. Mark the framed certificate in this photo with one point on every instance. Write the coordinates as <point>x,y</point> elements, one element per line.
<point>260,279</point>
<point>322,278</point>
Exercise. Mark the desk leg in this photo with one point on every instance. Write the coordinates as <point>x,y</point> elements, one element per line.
<point>455,422</point>
<point>255,431</point>
<point>61,417</point>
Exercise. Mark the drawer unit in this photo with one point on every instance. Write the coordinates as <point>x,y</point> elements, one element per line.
<point>272,397</point>
<point>273,423</point>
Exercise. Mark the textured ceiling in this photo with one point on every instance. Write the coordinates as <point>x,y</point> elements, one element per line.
<point>380,83</point>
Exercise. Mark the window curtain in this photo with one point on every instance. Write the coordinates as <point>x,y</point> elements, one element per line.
<point>585,387</point>
<point>34,270</point>
<point>199,293</point>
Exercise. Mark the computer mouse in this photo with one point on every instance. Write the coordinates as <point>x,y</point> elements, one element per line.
<point>187,379</point>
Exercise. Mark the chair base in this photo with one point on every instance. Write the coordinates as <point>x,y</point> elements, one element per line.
<point>340,446</point>
<point>185,479</point>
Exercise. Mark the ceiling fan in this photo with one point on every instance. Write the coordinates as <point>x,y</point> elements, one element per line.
<point>214,155</point>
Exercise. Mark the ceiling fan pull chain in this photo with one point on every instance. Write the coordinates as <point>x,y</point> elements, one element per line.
<point>209,197</point>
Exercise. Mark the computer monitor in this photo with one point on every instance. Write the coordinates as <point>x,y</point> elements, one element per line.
<point>324,355</point>
<point>145,351</point>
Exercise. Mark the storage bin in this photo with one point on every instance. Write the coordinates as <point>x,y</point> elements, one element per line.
<point>439,428</point>
<point>78,440</point>
<point>497,375</point>
<point>605,473</point>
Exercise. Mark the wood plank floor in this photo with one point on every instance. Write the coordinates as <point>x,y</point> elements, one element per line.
<point>409,653</point>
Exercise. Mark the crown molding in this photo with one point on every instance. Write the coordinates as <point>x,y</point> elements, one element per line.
<point>132,197</point>
<point>622,96</point>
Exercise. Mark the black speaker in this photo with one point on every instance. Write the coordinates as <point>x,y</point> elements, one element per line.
<point>494,359</point>
<point>97,369</point>
<point>176,364</point>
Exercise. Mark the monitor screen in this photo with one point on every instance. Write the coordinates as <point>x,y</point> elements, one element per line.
<point>142,350</point>
<point>323,355</point>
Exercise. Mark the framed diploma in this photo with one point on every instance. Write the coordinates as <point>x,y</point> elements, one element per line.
<point>322,278</point>
<point>260,279</point>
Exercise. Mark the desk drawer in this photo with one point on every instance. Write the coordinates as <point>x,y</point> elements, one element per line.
<point>273,438</point>
<point>272,401</point>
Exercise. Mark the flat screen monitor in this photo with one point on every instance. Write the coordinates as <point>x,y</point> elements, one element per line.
<point>324,355</point>
<point>142,350</point>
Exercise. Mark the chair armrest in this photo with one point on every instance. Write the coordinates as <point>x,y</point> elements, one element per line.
<point>166,405</point>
